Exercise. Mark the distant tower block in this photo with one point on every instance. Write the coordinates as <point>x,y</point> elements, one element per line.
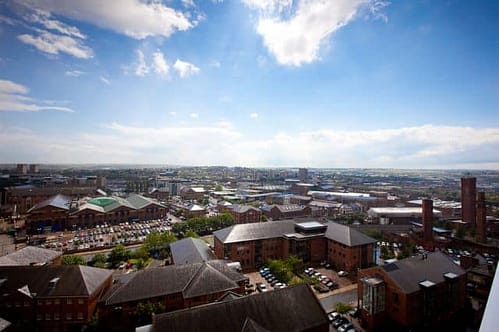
<point>481,217</point>
<point>468,200</point>
<point>427,223</point>
<point>303,174</point>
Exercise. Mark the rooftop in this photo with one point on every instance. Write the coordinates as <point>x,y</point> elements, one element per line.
<point>190,250</point>
<point>29,256</point>
<point>290,309</point>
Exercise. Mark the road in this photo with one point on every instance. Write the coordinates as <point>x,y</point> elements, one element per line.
<point>329,302</point>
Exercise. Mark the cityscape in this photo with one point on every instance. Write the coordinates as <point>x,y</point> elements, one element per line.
<point>249,165</point>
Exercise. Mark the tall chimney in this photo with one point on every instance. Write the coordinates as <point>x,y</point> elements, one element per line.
<point>468,200</point>
<point>427,223</point>
<point>481,217</point>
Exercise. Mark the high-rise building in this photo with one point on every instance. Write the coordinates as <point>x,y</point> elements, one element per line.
<point>303,174</point>
<point>22,168</point>
<point>34,168</point>
<point>468,200</point>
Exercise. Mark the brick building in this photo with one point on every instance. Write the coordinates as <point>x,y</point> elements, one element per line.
<point>49,298</point>
<point>29,256</point>
<point>276,212</point>
<point>61,212</point>
<point>253,244</point>
<point>414,293</point>
<point>175,287</point>
<point>192,193</point>
<point>244,214</point>
<point>290,309</point>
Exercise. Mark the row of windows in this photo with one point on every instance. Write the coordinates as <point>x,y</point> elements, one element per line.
<point>57,316</point>
<point>57,301</point>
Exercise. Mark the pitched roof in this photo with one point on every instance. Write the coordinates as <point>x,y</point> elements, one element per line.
<point>347,235</point>
<point>58,201</point>
<point>242,208</point>
<point>190,279</point>
<point>255,231</point>
<point>190,250</point>
<point>29,256</point>
<point>290,309</point>
<point>71,280</point>
<point>139,201</point>
<point>408,273</point>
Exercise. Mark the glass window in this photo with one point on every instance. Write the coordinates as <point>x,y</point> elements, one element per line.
<point>69,316</point>
<point>69,301</point>
<point>80,301</point>
<point>56,316</point>
<point>80,315</point>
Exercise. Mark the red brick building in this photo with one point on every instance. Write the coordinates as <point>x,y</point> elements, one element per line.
<point>244,214</point>
<point>418,292</point>
<point>253,244</point>
<point>175,287</point>
<point>49,298</point>
<point>290,309</point>
<point>276,212</point>
<point>61,212</point>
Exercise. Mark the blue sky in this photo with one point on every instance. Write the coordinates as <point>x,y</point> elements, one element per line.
<point>264,83</point>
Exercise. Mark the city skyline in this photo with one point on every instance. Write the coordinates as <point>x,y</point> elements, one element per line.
<point>257,83</point>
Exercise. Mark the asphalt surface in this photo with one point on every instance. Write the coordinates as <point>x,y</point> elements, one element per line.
<point>329,302</point>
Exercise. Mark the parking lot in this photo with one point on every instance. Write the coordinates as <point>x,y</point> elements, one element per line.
<point>107,235</point>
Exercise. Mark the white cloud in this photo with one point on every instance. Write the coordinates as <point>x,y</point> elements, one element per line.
<point>185,69</point>
<point>254,115</point>
<point>141,68</point>
<point>105,80</point>
<point>159,63</point>
<point>13,98</point>
<point>188,3</point>
<point>295,34</point>
<point>194,115</point>
<point>44,18</point>
<point>54,44</point>
<point>134,18</point>
<point>173,113</point>
<point>412,147</point>
<point>74,73</point>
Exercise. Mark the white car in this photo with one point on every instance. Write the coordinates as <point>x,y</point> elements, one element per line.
<point>342,273</point>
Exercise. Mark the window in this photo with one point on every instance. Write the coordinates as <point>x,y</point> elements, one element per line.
<point>69,301</point>
<point>56,316</point>
<point>395,298</point>
<point>69,316</point>
<point>80,301</point>
<point>47,316</point>
<point>57,301</point>
<point>80,315</point>
<point>38,316</point>
<point>48,301</point>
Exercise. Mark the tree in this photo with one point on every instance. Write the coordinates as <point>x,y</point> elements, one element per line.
<point>119,254</point>
<point>191,233</point>
<point>141,253</point>
<point>144,311</point>
<point>158,244</point>
<point>73,260</point>
<point>219,187</point>
<point>99,260</point>
<point>342,308</point>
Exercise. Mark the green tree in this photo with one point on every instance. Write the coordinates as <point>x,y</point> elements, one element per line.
<point>119,254</point>
<point>141,253</point>
<point>191,233</point>
<point>99,260</point>
<point>158,244</point>
<point>219,187</point>
<point>342,308</point>
<point>144,311</point>
<point>73,260</point>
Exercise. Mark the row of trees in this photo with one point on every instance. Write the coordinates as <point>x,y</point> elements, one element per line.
<point>203,225</point>
<point>156,245</point>
<point>285,270</point>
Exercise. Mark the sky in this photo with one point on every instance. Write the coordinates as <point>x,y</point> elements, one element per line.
<point>256,83</point>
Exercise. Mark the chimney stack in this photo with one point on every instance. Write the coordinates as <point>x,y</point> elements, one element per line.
<point>481,217</point>
<point>468,200</point>
<point>427,223</point>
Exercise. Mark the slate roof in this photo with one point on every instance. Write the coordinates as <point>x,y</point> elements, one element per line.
<point>255,231</point>
<point>58,201</point>
<point>74,280</point>
<point>347,235</point>
<point>290,309</point>
<point>29,256</point>
<point>108,203</point>
<point>190,279</point>
<point>242,208</point>
<point>408,273</point>
<point>190,250</point>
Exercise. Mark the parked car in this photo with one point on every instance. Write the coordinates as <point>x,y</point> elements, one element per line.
<point>261,287</point>
<point>331,285</point>
<point>354,312</point>
<point>321,288</point>
<point>340,321</point>
<point>332,316</point>
<point>345,327</point>
<point>342,273</point>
